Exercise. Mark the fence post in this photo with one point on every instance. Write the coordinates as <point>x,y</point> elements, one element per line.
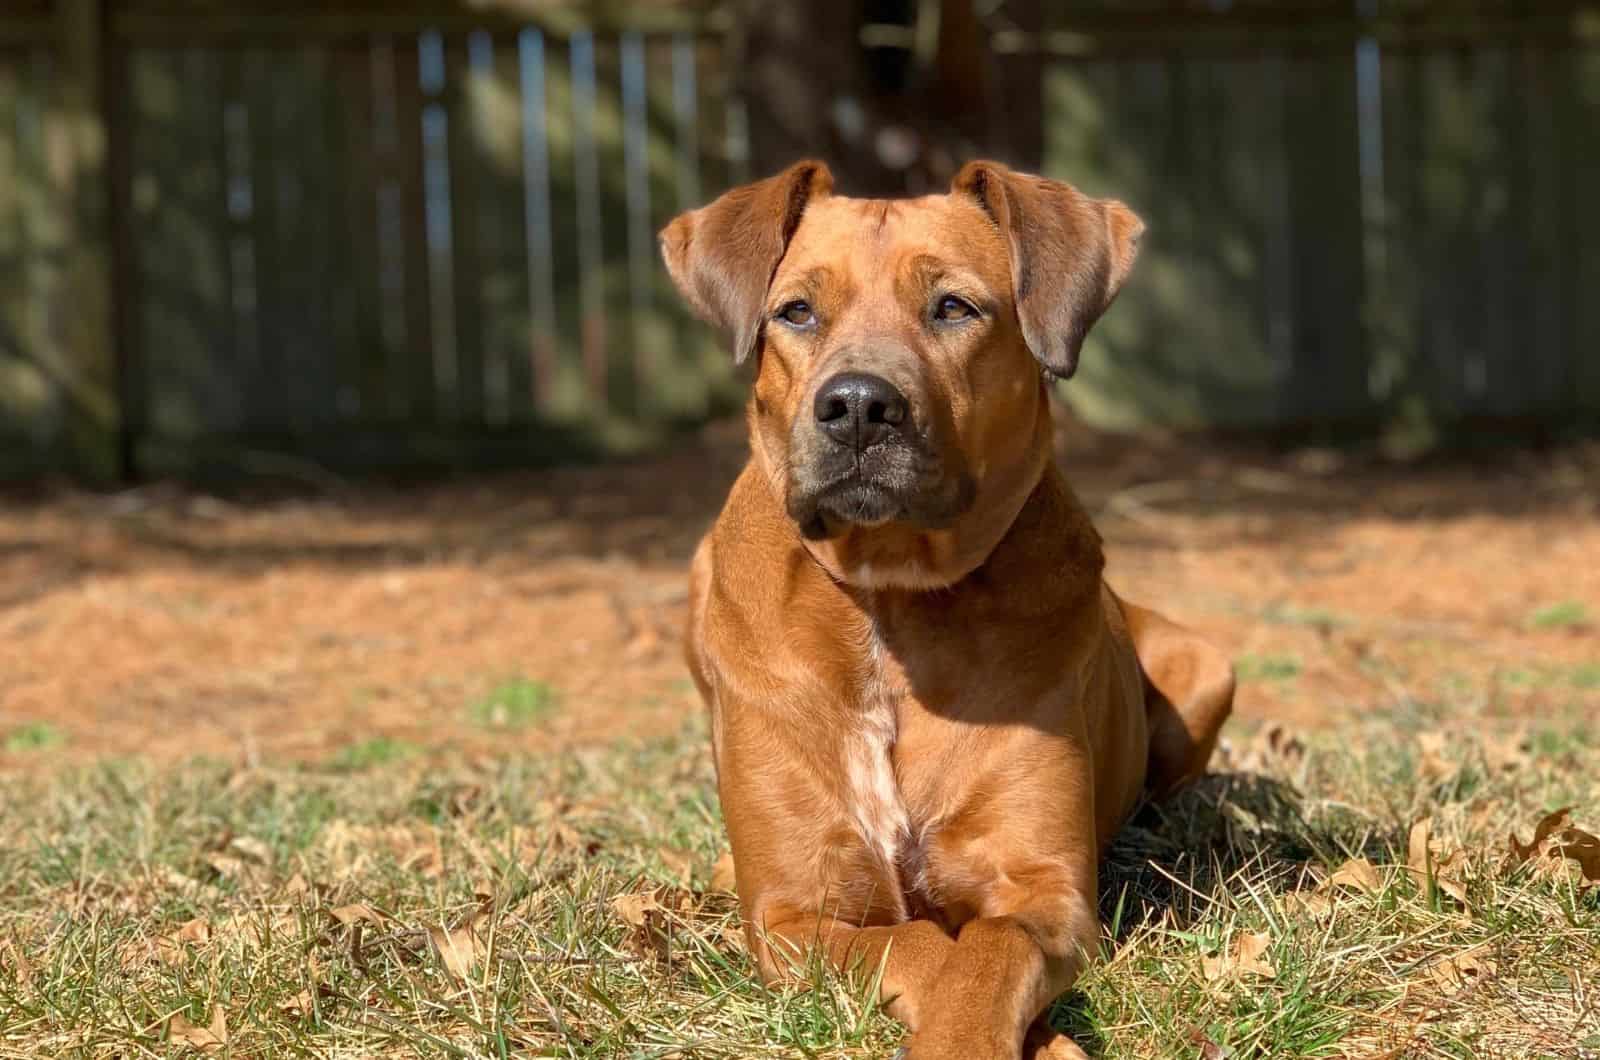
<point>82,330</point>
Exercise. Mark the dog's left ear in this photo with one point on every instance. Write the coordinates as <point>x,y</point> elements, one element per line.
<point>723,256</point>
<point>1069,255</point>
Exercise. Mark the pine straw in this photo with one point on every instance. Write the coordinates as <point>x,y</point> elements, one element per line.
<point>449,906</point>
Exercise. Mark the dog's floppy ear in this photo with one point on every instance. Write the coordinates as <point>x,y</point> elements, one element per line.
<point>1069,255</point>
<point>723,256</point>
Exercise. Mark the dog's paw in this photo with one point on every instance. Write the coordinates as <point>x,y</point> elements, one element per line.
<point>1048,1044</point>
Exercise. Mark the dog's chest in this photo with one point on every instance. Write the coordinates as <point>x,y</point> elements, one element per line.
<point>876,805</point>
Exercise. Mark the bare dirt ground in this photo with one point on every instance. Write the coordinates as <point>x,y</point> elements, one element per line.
<point>165,622</point>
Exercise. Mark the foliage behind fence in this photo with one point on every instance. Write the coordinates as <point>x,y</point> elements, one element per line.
<point>403,234</point>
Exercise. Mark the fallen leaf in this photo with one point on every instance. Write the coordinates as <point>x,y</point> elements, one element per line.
<point>1426,865</point>
<point>1541,832</point>
<point>356,913</point>
<point>197,931</point>
<point>301,1006</point>
<point>253,849</point>
<point>171,949</point>
<point>647,919</point>
<point>1432,765</point>
<point>1461,970</point>
<point>1317,906</point>
<point>722,877</point>
<point>635,909</point>
<point>1247,954</point>
<point>207,1039</point>
<point>1358,873</point>
<point>1244,959</point>
<point>1209,1050</point>
<point>21,967</point>
<point>1583,848</point>
<point>678,862</point>
<point>1506,753</point>
<point>458,948</point>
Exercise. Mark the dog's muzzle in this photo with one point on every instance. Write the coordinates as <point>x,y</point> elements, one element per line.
<point>865,461</point>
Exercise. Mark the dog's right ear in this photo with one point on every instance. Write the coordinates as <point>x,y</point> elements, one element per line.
<point>723,256</point>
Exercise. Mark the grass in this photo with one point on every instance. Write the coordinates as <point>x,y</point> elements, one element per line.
<point>513,704</point>
<point>1567,614</point>
<point>1267,667</point>
<point>378,751</point>
<point>422,904</point>
<point>33,736</point>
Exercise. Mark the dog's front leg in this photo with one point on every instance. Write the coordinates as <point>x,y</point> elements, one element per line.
<point>909,956</point>
<point>1002,974</point>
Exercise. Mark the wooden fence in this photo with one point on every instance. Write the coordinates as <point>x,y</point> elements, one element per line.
<point>379,235</point>
<point>372,240</point>
<point>1354,218</point>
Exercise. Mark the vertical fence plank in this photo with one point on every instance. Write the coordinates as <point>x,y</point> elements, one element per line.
<point>84,345</point>
<point>179,232</point>
<point>571,395</point>
<point>537,220</point>
<point>1322,137</point>
<point>326,291</point>
<point>30,412</point>
<point>439,228</point>
<point>254,192</point>
<point>496,102</point>
<point>1582,232</point>
<point>591,251</point>
<point>640,242</point>
<point>410,228</point>
<point>465,170</point>
<point>1538,101</point>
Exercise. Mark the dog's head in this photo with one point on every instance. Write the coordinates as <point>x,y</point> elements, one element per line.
<point>900,411</point>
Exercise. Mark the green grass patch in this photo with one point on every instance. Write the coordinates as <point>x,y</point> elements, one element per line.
<point>513,705</point>
<point>378,751</point>
<point>1282,614</point>
<point>1585,676</point>
<point>33,736</point>
<point>449,906</point>
<point>1568,614</point>
<point>1267,667</point>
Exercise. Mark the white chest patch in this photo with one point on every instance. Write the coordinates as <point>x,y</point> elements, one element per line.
<point>875,804</point>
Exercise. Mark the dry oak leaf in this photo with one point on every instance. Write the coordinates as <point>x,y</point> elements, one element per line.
<point>207,1039</point>
<point>459,947</point>
<point>647,919</point>
<point>355,913</point>
<point>1541,831</point>
<point>1453,973</point>
<point>1433,765</point>
<point>11,954</point>
<point>169,949</point>
<point>1315,905</point>
<point>1358,873</point>
<point>1245,959</point>
<point>1569,842</point>
<point>1424,864</point>
<point>679,863</point>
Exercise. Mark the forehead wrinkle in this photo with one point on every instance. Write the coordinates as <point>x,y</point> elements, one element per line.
<point>930,270</point>
<point>809,281</point>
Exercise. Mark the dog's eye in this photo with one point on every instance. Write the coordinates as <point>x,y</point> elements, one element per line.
<point>798,313</point>
<point>952,308</point>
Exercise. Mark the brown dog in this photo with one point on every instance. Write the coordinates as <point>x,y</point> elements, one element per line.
<point>929,712</point>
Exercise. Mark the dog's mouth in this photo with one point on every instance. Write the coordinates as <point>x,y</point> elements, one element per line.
<point>881,485</point>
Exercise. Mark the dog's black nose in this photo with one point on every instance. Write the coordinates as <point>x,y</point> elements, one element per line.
<point>858,409</point>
